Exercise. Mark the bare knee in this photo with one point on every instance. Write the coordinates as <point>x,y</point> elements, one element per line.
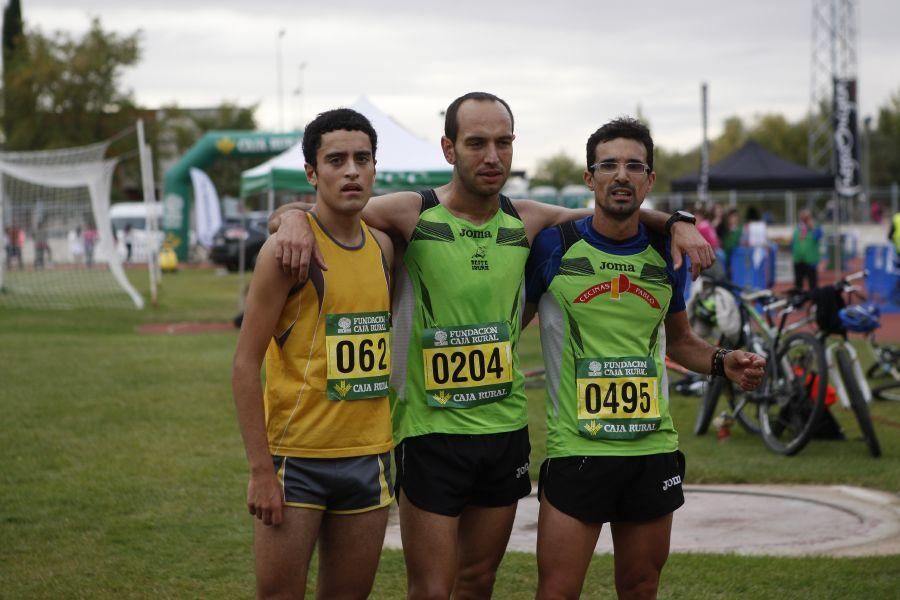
<point>558,586</point>
<point>638,583</point>
<point>475,581</point>
<point>278,590</point>
<point>427,590</point>
<point>341,591</point>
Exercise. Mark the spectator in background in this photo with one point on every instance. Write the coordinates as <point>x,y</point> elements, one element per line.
<point>876,212</point>
<point>755,232</point>
<point>128,240</point>
<point>15,239</point>
<point>805,250</point>
<point>76,245</point>
<point>704,213</point>
<point>894,233</point>
<point>730,232</point>
<point>42,254</point>
<point>705,226</point>
<point>90,241</point>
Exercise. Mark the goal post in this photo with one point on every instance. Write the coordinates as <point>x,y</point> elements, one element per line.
<point>59,247</point>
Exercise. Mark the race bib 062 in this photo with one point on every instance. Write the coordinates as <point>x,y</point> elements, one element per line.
<point>359,355</point>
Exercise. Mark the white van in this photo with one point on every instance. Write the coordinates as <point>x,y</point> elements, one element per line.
<point>133,217</point>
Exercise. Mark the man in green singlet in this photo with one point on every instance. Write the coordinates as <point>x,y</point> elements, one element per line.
<point>611,302</point>
<point>459,402</point>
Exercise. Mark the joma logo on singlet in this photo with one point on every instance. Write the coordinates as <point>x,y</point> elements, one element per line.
<point>472,233</point>
<point>617,266</point>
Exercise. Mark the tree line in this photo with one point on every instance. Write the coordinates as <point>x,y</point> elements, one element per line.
<point>60,91</point>
<point>774,132</point>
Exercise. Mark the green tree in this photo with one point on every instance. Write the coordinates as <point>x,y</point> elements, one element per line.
<point>15,100</point>
<point>885,144</point>
<point>558,171</point>
<point>733,136</point>
<point>74,89</point>
<point>787,139</point>
<point>12,29</point>
<point>672,164</point>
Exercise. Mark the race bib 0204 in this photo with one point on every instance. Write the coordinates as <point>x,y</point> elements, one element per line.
<point>618,398</point>
<point>359,355</point>
<point>468,365</point>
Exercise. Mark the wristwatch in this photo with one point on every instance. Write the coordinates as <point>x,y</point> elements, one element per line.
<point>679,216</point>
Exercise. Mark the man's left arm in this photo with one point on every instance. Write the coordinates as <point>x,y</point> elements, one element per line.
<point>686,240</point>
<point>694,353</point>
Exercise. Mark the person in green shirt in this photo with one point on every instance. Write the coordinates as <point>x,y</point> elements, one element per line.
<point>730,233</point>
<point>805,250</point>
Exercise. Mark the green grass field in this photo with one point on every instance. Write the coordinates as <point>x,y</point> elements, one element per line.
<point>124,473</point>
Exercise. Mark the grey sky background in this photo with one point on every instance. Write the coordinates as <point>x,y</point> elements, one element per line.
<point>564,67</point>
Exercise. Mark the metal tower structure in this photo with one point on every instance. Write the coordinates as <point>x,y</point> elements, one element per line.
<point>833,57</point>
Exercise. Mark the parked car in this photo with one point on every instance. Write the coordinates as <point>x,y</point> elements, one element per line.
<point>225,250</point>
<point>129,220</point>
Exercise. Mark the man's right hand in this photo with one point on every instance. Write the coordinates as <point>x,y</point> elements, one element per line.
<point>295,244</point>
<point>264,498</point>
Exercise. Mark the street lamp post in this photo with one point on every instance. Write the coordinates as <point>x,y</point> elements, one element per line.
<point>280,82</point>
<point>298,92</point>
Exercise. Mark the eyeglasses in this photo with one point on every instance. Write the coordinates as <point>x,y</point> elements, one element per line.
<point>610,167</point>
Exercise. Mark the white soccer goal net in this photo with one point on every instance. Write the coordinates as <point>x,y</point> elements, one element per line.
<point>59,249</point>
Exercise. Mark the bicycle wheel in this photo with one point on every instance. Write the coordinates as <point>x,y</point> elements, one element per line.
<point>748,415</point>
<point>857,402</point>
<point>708,405</point>
<point>798,381</point>
<point>889,391</point>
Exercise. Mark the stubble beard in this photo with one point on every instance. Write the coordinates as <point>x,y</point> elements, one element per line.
<point>618,213</point>
<point>470,183</point>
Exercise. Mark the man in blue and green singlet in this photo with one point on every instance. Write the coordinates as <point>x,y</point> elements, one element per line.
<point>610,298</point>
<point>459,410</point>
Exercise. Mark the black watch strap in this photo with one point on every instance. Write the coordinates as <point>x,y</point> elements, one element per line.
<point>679,216</point>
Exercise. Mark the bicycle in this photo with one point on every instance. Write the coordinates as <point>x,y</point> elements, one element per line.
<point>887,362</point>
<point>834,322</point>
<point>792,394</point>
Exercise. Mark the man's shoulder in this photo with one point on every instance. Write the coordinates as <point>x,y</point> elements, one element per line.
<point>547,241</point>
<point>402,200</point>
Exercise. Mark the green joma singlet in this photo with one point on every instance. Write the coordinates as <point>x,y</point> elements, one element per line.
<point>462,300</point>
<point>602,324</point>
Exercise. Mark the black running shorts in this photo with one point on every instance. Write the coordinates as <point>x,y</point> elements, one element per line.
<point>443,473</point>
<point>610,489</point>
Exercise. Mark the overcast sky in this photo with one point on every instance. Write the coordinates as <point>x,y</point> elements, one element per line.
<point>564,67</point>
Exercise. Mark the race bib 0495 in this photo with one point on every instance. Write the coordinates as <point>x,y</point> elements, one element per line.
<point>468,365</point>
<point>618,398</point>
<point>359,355</point>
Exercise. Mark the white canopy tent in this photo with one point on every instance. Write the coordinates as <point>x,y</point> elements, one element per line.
<point>405,161</point>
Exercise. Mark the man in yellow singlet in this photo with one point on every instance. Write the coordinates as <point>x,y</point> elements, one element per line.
<point>318,438</point>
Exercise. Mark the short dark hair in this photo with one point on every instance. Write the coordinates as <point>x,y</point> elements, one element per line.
<point>623,127</point>
<point>339,119</point>
<point>451,120</point>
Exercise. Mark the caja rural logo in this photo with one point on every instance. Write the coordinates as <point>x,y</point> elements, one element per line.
<point>615,288</point>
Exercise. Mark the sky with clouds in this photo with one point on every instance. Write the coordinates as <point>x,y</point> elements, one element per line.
<point>564,67</point>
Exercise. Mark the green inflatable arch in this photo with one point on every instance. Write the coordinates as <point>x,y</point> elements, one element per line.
<point>213,146</point>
